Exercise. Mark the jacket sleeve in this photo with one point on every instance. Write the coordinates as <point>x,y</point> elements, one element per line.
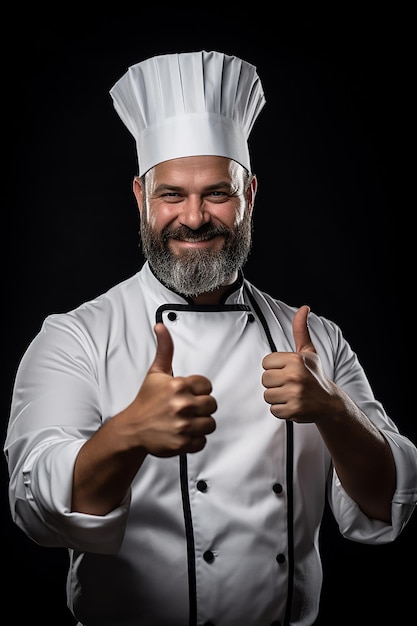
<point>343,366</point>
<point>55,409</point>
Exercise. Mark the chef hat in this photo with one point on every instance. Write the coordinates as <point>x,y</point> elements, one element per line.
<point>189,104</point>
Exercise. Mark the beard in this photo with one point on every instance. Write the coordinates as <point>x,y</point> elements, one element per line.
<point>196,271</point>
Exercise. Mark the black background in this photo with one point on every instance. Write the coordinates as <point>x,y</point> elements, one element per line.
<point>331,150</point>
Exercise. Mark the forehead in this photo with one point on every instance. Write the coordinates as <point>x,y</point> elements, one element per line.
<point>205,170</point>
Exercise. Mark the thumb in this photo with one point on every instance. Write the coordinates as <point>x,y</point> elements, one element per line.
<point>300,330</point>
<point>162,362</point>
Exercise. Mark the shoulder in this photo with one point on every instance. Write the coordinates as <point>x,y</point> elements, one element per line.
<point>102,307</point>
<point>91,325</point>
<point>324,332</point>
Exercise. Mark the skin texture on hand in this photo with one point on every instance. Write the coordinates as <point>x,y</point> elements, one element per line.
<point>296,386</point>
<point>170,415</point>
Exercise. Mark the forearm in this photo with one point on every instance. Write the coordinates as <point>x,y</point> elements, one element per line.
<point>361,456</point>
<point>104,470</point>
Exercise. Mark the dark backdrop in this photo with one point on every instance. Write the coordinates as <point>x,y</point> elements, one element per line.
<point>330,152</point>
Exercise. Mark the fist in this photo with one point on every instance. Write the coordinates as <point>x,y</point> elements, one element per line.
<point>296,386</point>
<point>172,415</point>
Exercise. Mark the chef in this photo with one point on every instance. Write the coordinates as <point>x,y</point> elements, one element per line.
<point>180,433</point>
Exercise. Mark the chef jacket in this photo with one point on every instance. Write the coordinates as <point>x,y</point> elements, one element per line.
<point>227,536</point>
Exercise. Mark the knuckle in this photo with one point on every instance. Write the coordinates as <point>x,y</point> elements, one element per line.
<point>178,384</point>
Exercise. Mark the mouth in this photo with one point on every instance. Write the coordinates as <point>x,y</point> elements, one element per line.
<point>195,242</point>
<point>181,242</point>
<point>199,239</point>
<point>183,237</point>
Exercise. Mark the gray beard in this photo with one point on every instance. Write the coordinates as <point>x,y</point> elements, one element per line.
<point>197,271</point>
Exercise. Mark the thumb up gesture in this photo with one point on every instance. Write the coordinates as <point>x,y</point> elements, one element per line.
<point>295,385</point>
<point>171,414</point>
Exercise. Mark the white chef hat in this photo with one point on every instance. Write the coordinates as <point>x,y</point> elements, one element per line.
<point>189,104</point>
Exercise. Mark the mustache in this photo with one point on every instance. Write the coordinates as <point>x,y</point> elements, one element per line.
<point>207,231</point>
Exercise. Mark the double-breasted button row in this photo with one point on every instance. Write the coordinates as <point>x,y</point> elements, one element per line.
<point>209,556</point>
<point>274,623</point>
<point>172,316</point>
<point>202,486</point>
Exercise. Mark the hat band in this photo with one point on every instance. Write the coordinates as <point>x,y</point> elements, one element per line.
<point>194,134</point>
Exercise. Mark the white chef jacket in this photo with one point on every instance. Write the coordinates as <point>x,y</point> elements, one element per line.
<point>227,536</point>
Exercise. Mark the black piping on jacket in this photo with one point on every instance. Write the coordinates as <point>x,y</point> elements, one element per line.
<point>183,465</point>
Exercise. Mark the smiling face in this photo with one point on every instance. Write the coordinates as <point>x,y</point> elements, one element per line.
<point>196,222</point>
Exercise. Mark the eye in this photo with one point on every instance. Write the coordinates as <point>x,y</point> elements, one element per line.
<point>218,196</point>
<point>171,197</point>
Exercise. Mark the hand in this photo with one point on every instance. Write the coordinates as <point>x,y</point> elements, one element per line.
<point>171,414</point>
<point>296,386</point>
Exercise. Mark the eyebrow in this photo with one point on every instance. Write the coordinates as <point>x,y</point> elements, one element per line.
<point>167,187</point>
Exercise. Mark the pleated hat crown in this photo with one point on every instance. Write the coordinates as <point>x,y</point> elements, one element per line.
<point>189,104</point>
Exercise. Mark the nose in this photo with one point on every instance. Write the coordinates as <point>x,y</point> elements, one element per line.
<point>194,212</point>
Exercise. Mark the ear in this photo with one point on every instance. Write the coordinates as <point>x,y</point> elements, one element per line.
<point>138,191</point>
<point>251,192</point>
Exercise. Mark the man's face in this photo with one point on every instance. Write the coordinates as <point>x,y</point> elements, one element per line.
<point>196,222</point>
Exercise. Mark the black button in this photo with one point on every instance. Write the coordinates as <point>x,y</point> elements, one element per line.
<point>251,317</point>
<point>201,485</point>
<point>277,488</point>
<point>276,623</point>
<point>208,556</point>
<point>280,558</point>
<point>172,316</point>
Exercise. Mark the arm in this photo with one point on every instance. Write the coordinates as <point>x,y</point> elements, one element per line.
<point>361,456</point>
<point>298,389</point>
